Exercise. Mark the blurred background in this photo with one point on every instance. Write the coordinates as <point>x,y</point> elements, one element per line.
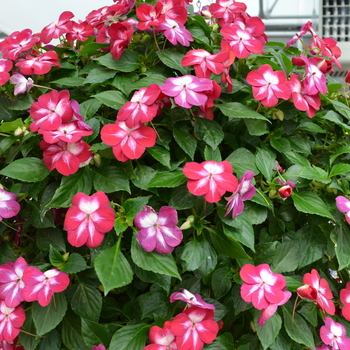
<point>283,18</point>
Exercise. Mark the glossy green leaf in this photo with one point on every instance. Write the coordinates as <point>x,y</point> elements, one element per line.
<point>94,333</point>
<point>268,333</point>
<point>238,110</point>
<point>339,169</point>
<point>160,154</point>
<point>242,160</point>
<point>209,131</point>
<point>132,206</point>
<point>126,63</point>
<point>111,98</point>
<point>192,255</point>
<point>266,164</point>
<point>338,152</point>
<point>72,81</point>
<point>111,179</point>
<point>341,238</point>
<point>172,59</point>
<point>74,264</point>
<point>129,337</point>
<point>169,179</point>
<point>315,173</point>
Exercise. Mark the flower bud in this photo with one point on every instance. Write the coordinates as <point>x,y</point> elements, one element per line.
<point>97,159</point>
<point>347,77</point>
<point>18,131</point>
<point>285,191</point>
<point>188,223</point>
<point>279,115</point>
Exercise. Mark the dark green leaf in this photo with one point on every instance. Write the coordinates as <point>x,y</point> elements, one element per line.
<point>111,179</point>
<point>51,341</point>
<point>238,110</point>
<point>242,160</point>
<point>125,82</point>
<point>74,264</point>
<point>338,152</point>
<point>6,253</point>
<point>341,238</point>
<point>280,145</point>
<point>26,169</point>
<point>132,206</point>
<point>309,310</point>
<point>172,59</point>
<point>151,79</point>
<point>266,164</point>
<point>269,332</point>
<point>71,334</point>
<point>99,75</point>
<point>240,229</point>
<point>72,81</point>
<point>185,140</point>
<point>209,131</point>
<point>160,154</point>
<point>256,127</point>
<point>192,255</point>
<point>27,340</point>
<point>286,257</point>
<point>94,333</point>
<point>111,98</point>
<point>297,159</point>
<point>181,198</point>
<point>170,179</point>
<point>150,277</point>
<point>126,63</point>
<point>143,175</point>
<point>221,281</point>
<point>210,261</point>
<point>130,337</point>
<point>154,303</point>
<point>56,259</point>
<point>89,108</point>
<point>284,62</point>
<point>52,236</point>
<point>222,342</point>
<point>91,48</point>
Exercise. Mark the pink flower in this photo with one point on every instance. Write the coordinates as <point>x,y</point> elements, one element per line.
<point>88,219</point>
<point>51,110</point>
<point>41,64</point>
<point>142,107</point>
<point>303,30</point>
<point>11,284</point>
<point>226,10</point>
<point>98,347</point>
<point>55,29</point>
<point>150,15</point>
<point>66,157</point>
<point>191,299</point>
<point>128,143</point>
<point>345,299</point>
<point>5,67</point>
<point>334,334</point>
<point>287,188</point>
<point>343,205</point>
<point>193,328</point>
<point>9,206</point>
<point>158,231</point>
<point>317,289</point>
<point>22,84</point>
<point>268,86</point>
<point>187,90</point>
<point>11,320</point>
<point>176,32</point>
<point>79,31</point>
<point>161,338</point>
<point>120,34</point>
<point>40,286</point>
<point>211,179</point>
<point>244,191</point>
<point>261,286</point>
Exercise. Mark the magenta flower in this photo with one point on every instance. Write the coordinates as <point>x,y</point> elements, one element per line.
<point>11,320</point>
<point>161,338</point>
<point>191,299</point>
<point>158,231</point>
<point>98,347</point>
<point>261,286</point>
<point>175,32</point>
<point>11,284</point>
<point>210,179</point>
<point>21,83</point>
<point>41,64</point>
<point>334,334</point>
<point>194,327</point>
<point>343,205</point>
<point>226,10</point>
<point>187,90</point>
<point>55,29</point>
<point>88,219</point>
<point>9,206</point>
<point>5,67</point>
<point>268,86</point>
<point>40,286</point>
<point>345,299</point>
<point>244,191</point>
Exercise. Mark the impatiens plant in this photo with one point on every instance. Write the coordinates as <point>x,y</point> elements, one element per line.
<point>173,180</point>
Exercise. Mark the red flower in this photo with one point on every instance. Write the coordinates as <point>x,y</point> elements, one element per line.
<point>193,328</point>
<point>120,34</point>
<point>268,86</point>
<point>40,286</point>
<point>88,219</point>
<point>150,15</point>
<point>261,286</point>
<point>345,299</point>
<point>11,320</point>
<point>317,289</point>
<point>51,110</point>
<point>38,65</point>
<point>79,31</point>
<point>226,10</point>
<point>211,179</point>
<point>161,338</point>
<point>55,29</point>
<point>5,67</point>
<point>128,143</point>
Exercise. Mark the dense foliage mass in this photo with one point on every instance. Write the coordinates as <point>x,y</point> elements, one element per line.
<point>172,180</point>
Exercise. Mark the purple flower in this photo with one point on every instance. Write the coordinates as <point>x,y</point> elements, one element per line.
<point>158,231</point>
<point>245,191</point>
<point>191,299</point>
<point>9,206</point>
<point>21,83</point>
<point>176,32</point>
<point>343,205</point>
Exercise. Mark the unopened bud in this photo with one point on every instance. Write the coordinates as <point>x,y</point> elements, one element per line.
<point>279,115</point>
<point>188,223</point>
<point>97,159</point>
<point>18,131</point>
<point>285,191</point>
<point>65,256</point>
<point>272,194</point>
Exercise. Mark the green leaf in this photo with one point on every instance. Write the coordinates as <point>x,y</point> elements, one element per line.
<point>309,310</point>
<point>94,333</point>
<point>286,257</point>
<point>112,269</point>
<point>338,152</point>
<point>192,255</point>
<point>46,237</point>
<point>111,98</point>
<point>6,253</point>
<point>70,185</point>
<point>256,127</point>
<point>284,62</point>
<point>71,334</point>
<point>169,180</point>
<point>269,332</point>
<point>280,145</point>
<point>311,203</point>
<point>209,131</point>
<point>243,234</point>
<point>151,79</point>
<point>226,245</point>
<point>221,281</point>
<point>91,48</point>
<point>222,342</point>
<point>72,81</point>
<point>242,160</point>
<point>210,259</point>
<point>297,328</point>
<point>9,127</point>
<point>126,63</point>
<point>238,110</point>
<point>48,317</point>
<point>154,303</point>
<point>297,159</point>
<point>341,108</point>
<point>266,164</point>
<point>160,154</point>
<point>152,261</point>
<point>74,264</point>
<point>111,179</point>
<point>87,302</point>
<point>26,169</point>
<point>130,337</point>
<point>125,82</point>
<point>132,206</point>
<point>262,199</point>
<point>172,59</point>
<point>161,280</point>
<point>56,259</point>
<point>315,173</point>
<point>340,236</point>
<point>27,340</point>
<point>51,341</point>
<point>334,117</point>
<point>339,169</point>
<point>99,75</point>
<point>300,144</point>
<point>181,198</point>
<point>311,128</point>
<point>185,140</point>
<point>143,175</point>
<point>212,154</point>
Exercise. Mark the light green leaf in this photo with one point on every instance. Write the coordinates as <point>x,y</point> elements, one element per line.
<point>72,81</point>
<point>338,152</point>
<point>169,180</point>
<point>266,164</point>
<point>269,332</point>
<point>339,169</point>
<point>111,98</point>
<point>130,337</point>
<point>297,159</point>
<point>242,160</point>
<point>315,173</point>
<point>126,63</point>
<point>238,110</point>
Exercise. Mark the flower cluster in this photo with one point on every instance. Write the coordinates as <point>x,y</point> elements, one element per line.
<point>20,282</point>
<point>189,330</point>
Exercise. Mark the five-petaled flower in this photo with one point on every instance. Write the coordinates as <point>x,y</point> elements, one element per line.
<point>158,231</point>
<point>211,179</point>
<point>343,205</point>
<point>161,338</point>
<point>11,320</point>
<point>334,334</point>
<point>9,206</point>
<point>88,219</point>
<point>345,299</point>
<point>191,299</point>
